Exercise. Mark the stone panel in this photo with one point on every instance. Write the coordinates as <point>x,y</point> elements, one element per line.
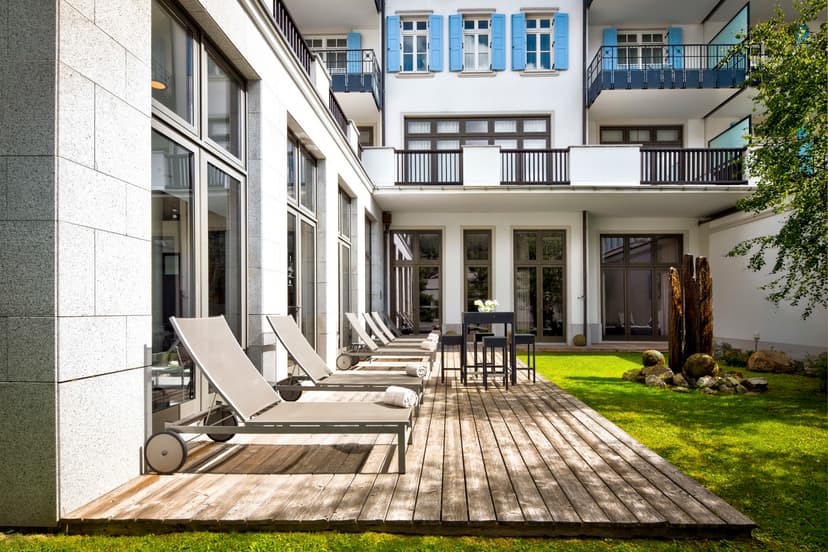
<point>90,51</point>
<point>3,346</point>
<point>89,198</point>
<point>129,23</point>
<point>76,117</point>
<point>101,424</point>
<point>138,94</point>
<point>27,268</point>
<point>122,140</point>
<point>30,188</point>
<point>4,20</point>
<point>31,349</point>
<point>138,212</point>
<point>90,345</point>
<point>27,120</point>
<point>3,176</point>
<point>28,480</point>
<point>31,37</point>
<point>76,270</point>
<point>138,336</point>
<point>122,275</point>
<point>85,7</point>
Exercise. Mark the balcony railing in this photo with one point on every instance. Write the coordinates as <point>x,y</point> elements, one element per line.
<point>693,166</point>
<point>338,114</point>
<point>284,22</point>
<point>354,71</point>
<point>438,167</point>
<point>665,66</point>
<point>534,166</point>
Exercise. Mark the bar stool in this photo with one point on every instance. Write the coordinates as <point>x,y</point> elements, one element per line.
<point>451,341</point>
<point>478,338</point>
<point>492,344</point>
<point>529,341</point>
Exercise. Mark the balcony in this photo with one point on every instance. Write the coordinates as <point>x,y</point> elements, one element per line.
<point>354,71</point>
<point>575,167</point>
<point>684,66</point>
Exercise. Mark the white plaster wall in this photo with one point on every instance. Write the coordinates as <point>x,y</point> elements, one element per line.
<point>739,307</point>
<point>447,92</point>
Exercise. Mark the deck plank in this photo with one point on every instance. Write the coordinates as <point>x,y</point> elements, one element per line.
<point>429,493</point>
<point>454,505</point>
<point>479,497</point>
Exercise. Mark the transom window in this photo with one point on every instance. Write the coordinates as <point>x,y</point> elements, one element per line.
<point>648,136</point>
<point>414,44</point>
<point>641,49</point>
<point>539,42</point>
<point>334,51</point>
<point>476,44</point>
<point>530,132</point>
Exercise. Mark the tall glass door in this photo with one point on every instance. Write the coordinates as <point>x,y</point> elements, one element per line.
<point>540,284</point>
<point>416,282</point>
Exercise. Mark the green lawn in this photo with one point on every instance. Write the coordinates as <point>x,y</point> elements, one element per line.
<point>765,455</point>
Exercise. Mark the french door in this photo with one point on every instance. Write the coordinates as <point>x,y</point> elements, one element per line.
<point>540,268</point>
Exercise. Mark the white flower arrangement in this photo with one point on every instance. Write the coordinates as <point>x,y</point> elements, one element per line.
<point>489,305</point>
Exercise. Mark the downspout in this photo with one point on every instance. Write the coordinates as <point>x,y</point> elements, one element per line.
<point>584,236</point>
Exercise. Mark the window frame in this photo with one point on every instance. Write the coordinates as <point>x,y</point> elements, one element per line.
<point>538,32</point>
<point>414,34</point>
<point>640,46</point>
<point>653,129</point>
<point>476,32</point>
<point>519,135</point>
<point>477,263</point>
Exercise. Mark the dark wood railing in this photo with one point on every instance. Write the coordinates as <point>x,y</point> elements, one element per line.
<point>692,166</point>
<point>429,166</point>
<point>338,114</point>
<point>534,166</point>
<point>284,22</point>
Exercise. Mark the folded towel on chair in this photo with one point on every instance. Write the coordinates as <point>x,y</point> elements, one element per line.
<point>400,396</point>
<point>416,369</point>
<point>428,345</point>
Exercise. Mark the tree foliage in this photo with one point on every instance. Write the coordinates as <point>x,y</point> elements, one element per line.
<point>788,154</point>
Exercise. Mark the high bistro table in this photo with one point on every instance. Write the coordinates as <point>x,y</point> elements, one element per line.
<point>507,318</point>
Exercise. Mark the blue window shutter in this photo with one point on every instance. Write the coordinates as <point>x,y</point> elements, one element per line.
<point>498,42</point>
<point>609,53</point>
<point>392,43</point>
<point>674,48</point>
<point>562,41</point>
<point>518,42</point>
<point>354,43</point>
<point>455,26</point>
<point>435,42</point>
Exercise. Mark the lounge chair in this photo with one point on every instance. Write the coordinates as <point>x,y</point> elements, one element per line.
<point>385,335</point>
<point>322,377</point>
<point>253,406</point>
<point>372,350</point>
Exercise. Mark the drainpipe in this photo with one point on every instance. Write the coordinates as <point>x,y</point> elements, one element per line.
<point>584,236</point>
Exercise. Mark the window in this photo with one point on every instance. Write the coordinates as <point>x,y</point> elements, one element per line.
<point>507,132</point>
<point>539,42</point>
<point>369,253</point>
<point>540,268</point>
<point>416,283</point>
<point>301,246</point>
<point>648,136</point>
<point>641,49</point>
<point>334,52</point>
<point>198,181</point>
<point>476,44</point>
<point>414,43</point>
<point>635,284</point>
<point>345,280</point>
<point>477,257</point>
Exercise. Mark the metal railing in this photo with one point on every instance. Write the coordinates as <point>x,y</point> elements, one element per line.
<point>692,166</point>
<point>549,166</point>
<point>338,114</point>
<point>284,22</point>
<point>666,66</point>
<point>354,71</point>
<point>429,167</point>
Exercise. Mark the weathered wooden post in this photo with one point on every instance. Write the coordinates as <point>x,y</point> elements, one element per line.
<point>691,307</point>
<point>705,325</point>
<point>676,322</point>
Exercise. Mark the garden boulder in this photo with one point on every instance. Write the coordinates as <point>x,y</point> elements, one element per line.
<point>699,365</point>
<point>651,357</point>
<point>655,370</point>
<point>770,361</point>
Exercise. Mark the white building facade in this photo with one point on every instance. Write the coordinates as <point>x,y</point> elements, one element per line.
<point>253,157</point>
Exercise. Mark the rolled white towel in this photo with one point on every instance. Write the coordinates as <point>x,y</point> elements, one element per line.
<point>416,369</point>
<point>433,336</point>
<point>400,396</point>
<point>427,345</point>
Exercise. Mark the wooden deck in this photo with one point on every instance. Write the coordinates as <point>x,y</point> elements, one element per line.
<point>532,460</point>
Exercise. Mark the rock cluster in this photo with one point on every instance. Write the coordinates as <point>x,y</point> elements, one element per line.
<point>700,372</point>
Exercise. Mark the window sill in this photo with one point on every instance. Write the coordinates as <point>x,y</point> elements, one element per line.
<point>473,74</point>
<point>550,73</point>
<point>414,75</point>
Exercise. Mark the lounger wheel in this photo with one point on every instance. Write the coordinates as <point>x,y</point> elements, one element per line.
<point>222,416</point>
<point>290,388</point>
<point>343,362</point>
<point>165,452</point>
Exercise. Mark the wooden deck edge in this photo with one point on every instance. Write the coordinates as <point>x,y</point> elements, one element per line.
<point>489,529</point>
